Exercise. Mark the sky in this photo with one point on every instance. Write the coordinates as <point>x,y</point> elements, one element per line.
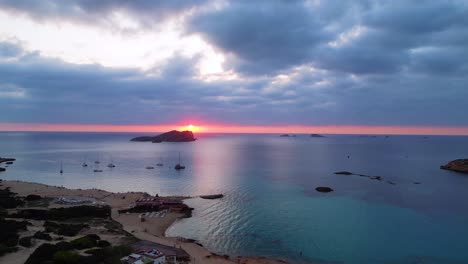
<point>245,66</point>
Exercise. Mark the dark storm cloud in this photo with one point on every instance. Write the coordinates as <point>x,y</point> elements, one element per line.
<point>146,12</point>
<point>343,62</point>
<point>272,36</point>
<point>264,37</point>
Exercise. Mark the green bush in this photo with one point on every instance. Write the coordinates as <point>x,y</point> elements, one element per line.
<point>42,254</point>
<point>8,199</point>
<point>25,241</point>
<point>103,243</point>
<point>6,249</point>
<point>64,213</point>
<point>42,236</point>
<point>88,241</point>
<point>64,229</point>
<point>66,257</point>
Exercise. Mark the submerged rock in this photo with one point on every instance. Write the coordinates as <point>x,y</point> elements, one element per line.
<point>171,136</point>
<point>459,165</point>
<point>344,173</point>
<point>324,189</point>
<point>379,178</point>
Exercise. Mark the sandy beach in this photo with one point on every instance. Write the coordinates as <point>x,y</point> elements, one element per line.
<point>152,229</point>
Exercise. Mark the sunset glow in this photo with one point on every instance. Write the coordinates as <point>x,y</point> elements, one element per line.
<point>223,128</point>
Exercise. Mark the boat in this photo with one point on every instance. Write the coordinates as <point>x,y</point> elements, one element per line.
<point>61,168</point>
<point>160,164</point>
<point>111,164</point>
<point>97,170</point>
<point>178,166</point>
<point>84,164</point>
<point>149,167</point>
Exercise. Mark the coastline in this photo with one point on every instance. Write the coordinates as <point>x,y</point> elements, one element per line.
<point>153,229</point>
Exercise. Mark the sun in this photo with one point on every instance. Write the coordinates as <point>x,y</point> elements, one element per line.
<point>191,127</point>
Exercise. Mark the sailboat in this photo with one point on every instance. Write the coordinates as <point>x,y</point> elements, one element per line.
<point>97,169</point>
<point>61,167</point>
<point>84,163</point>
<point>111,164</point>
<point>160,164</point>
<point>178,166</point>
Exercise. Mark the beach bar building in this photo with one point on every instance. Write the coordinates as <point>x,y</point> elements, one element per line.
<point>152,256</point>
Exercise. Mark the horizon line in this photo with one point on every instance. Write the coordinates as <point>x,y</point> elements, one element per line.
<point>240,129</point>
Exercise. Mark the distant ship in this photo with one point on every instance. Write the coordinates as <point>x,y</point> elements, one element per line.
<point>178,166</point>
<point>149,167</point>
<point>61,167</point>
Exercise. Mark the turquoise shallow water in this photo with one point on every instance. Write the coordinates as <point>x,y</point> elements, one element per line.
<point>271,207</point>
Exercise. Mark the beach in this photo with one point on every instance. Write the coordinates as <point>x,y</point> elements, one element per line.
<point>152,229</point>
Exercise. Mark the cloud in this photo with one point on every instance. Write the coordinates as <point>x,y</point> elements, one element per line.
<point>264,37</point>
<point>104,12</point>
<point>285,62</point>
<point>9,50</point>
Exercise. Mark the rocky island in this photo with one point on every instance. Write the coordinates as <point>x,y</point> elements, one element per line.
<point>459,165</point>
<point>316,135</point>
<point>171,136</point>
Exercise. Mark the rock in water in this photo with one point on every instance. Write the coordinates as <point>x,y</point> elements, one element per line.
<point>324,189</point>
<point>344,173</point>
<point>316,135</point>
<point>459,165</point>
<point>171,136</point>
<point>212,196</point>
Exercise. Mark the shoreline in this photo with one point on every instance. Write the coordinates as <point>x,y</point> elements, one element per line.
<point>152,229</point>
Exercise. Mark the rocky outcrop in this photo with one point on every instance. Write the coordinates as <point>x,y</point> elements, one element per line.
<point>344,173</point>
<point>459,165</point>
<point>212,196</point>
<point>324,189</point>
<point>316,135</point>
<point>171,136</point>
<point>7,160</point>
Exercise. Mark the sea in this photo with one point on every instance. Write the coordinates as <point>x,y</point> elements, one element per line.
<point>416,213</point>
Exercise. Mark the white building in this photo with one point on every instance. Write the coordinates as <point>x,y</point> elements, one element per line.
<point>152,256</point>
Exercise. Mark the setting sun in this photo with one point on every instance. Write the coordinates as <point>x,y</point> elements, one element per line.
<point>191,128</point>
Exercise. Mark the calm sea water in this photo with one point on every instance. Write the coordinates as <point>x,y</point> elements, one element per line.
<point>270,206</point>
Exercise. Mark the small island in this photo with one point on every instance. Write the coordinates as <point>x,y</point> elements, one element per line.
<point>459,165</point>
<point>287,135</point>
<point>171,136</point>
<point>316,135</point>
